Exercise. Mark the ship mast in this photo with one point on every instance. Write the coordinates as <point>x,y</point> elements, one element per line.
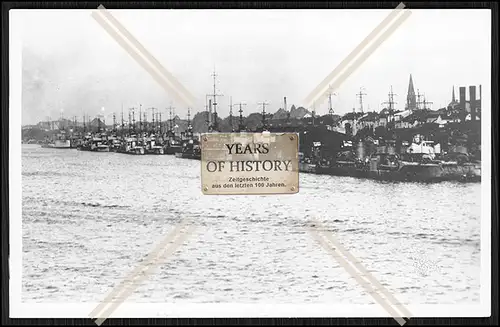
<point>231,113</point>
<point>133,119</point>
<point>241,127</point>
<point>214,126</point>
<point>313,113</point>
<point>173,119</point>
<point>170,126</point>
<point>153,126</point>
<point>391,104</point>
<point>140,118</point>
<point>425,103</point>
<point>360,96</point>
<point>129,122</point>
<point>264,123</point>
<point>123,124</point>
<point>153,119</point>
<point>330,107</point>
<point>161,124</point>
<point>286,110</point>
<point>61,120</point>
<point>157,119</point>
<point>208,110</point>
<point>189,127</point>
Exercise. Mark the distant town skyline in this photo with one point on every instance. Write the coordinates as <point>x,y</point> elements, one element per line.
<point>71,64</point>
<point>414,101</point>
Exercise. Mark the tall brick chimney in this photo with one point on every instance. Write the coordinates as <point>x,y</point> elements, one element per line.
<point>473,102</point>
<point>461,99</point>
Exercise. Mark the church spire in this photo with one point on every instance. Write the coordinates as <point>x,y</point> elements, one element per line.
<point>411,99</point>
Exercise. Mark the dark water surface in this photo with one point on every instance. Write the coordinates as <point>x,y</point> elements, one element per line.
<point>89,218</point>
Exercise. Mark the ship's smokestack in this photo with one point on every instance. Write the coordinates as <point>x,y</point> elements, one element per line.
<point>461,97</point>
<point>361,150</point>
<point>472,96</point>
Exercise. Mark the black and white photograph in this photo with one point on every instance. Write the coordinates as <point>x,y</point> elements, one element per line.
<point>391,214</point>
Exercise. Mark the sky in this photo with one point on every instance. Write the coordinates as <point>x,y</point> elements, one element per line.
<point>71,65</point>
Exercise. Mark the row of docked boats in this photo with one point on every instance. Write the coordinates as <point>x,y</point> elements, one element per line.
<point>186,146</point>
<point>418,162</point>
<point>142,144</point>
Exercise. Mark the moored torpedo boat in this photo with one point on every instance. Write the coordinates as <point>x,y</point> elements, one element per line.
<point>172,146</point>
<point>152,148</point>
<point>420,163</point>
<point>306,165</point>
<point>60,141</point>
<point>190,150</point>
<point>130,146</point>
<point>390,167</point>
<point>85,143</point>
<point>99,144</point>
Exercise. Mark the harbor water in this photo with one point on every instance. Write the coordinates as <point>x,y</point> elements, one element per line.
<point>89,218</point>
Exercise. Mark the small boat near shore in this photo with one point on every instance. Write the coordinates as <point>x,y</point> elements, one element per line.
<point>57,145</point>
<point>60,141</point>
